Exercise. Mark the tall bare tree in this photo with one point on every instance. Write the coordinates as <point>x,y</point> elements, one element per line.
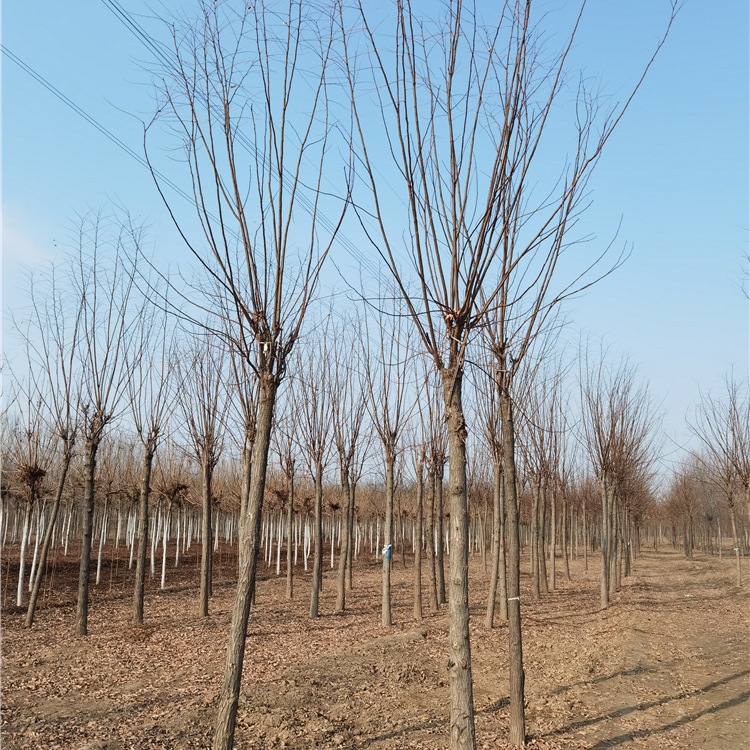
<point>723,428</point>
<point>152,399</point>
<point>315,418</point>
<point>246,93</point>
<point>386,361</point>
<point>618,428</point>
<point>450,94</point>
<point>349,406</point>
<point>104,282</point>
<point>53,339</point>
<point>202,394</point>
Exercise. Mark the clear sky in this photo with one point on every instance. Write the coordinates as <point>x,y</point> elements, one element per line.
<point>675,173</point>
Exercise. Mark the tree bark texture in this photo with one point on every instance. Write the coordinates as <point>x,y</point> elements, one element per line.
<point>289,532</point>
<point>439,560</point>
<point>89,469</point>
<point>344,553</point>
<point>418,547</point>
<point>249,545</point>
<point>517,734</point>
<point>459,649</point>
<point>387,552</point>
<point>206,536</point>
<point>140,565</point>
<point>317,577</point>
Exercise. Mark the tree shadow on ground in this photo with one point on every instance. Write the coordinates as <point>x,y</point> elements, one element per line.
<point>640,733</point>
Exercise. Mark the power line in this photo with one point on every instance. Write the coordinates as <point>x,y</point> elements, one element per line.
<point>107,133</point>
<point>169,60</point>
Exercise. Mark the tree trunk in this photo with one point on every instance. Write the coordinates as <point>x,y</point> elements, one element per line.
<point>542,542</point>
<point>517,734</point>
<point>89,468</point>
<point>387,556</point>
<point>462,731</point>
<point>65,465</point>
<point>25,534</point>
<point>439,561</point>
<point>552,539</point>
<point>497,513</point>
<point>289,531</point>
<point>140,567</point>
<point>318,538</point>
<point>345,545</point>
<point>206,535</point>
<point>736,545</point>
<point>418,547</point>
<point>249,544</point>
<point>604,581</point>
<point>535,587</point>
<point>432,582</point>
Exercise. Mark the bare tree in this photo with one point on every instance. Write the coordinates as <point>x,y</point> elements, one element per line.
<point>386,363</point>
<point>315,417</point>
<point>448,95</point>
<point>202,392</point>
<point>104,283</point>
<point>151,400</point>
<point>618,432</point>
<point>30,448</point>
<point>246,91</point>
<point>349,406</point>
<point>723,428</point>
<point>52,342</point>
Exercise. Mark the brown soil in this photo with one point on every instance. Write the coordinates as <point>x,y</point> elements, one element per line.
<point>666,666</point>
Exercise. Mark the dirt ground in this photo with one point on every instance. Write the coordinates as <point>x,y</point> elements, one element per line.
<point>666,666</point>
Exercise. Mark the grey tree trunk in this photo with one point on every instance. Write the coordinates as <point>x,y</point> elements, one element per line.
<point>418,547</point>
<point>432,579</point>
<point>140,566</point>
<point>345,545</point>
<point>497,574</point>
<point>387,556</point>
<point>289,532</point>
<point>565,542</point>
<point>552,539</point>
<point>462,732</point>
<point>517,733</point>
<point>541,544</point>
<point>439,561</point>
<point>89,469</point>
<point>604,581</point>
<point>206,537</point>
<point>318,539</point>
<point>350,551</point>
<point>249,544</point>
<point>65,465</point>
<point>534,546</point>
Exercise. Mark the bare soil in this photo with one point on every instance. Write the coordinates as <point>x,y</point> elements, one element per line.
<point>666,666</point>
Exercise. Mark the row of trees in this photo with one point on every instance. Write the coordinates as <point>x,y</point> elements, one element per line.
<point>431,137</point>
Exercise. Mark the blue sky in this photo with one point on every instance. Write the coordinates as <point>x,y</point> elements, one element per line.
<point>675,173</point>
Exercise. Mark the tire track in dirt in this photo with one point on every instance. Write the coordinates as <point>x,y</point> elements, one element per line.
<point>682,677</point>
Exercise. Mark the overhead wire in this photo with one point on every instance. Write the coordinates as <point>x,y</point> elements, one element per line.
<point>168,59</point>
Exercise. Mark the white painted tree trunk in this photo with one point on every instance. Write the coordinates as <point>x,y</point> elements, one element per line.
<point>177,539</point>
<point>164,540</point>
<point>40,521</point>
<point>102,539</point>
<point>119,528</point>
<point>278,545</point>
<point>25,532</point>
<point>306,541</point>
<point>67,528</point>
